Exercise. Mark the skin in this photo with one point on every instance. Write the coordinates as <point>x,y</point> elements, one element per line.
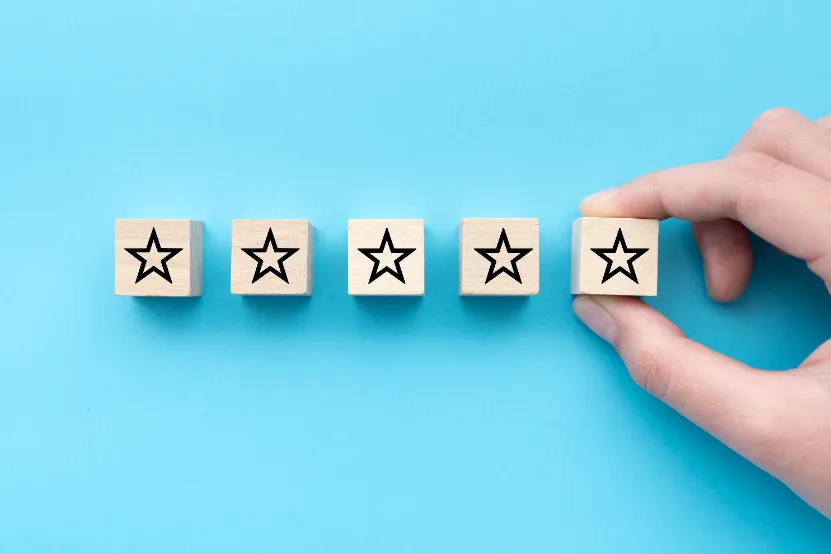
<point>775,183</point>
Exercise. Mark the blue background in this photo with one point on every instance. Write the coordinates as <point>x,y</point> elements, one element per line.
<point>335,424</point>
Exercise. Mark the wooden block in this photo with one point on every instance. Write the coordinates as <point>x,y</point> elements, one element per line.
<point>499,257</point>
<point>158,257</point>
<point>614,256</point>
<point>386,257</point>
<point>271,257</point>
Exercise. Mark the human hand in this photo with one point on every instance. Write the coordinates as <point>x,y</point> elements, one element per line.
<point>775,183</point>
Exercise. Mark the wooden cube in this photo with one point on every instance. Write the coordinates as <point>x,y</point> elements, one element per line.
<point>158,257</point>
<point>614,256</point>
<point>386,257</point>
<point>271,257</point>
<point>499,257</point>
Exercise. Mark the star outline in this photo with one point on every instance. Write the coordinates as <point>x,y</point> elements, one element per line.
<point>143,272</point>
<point>620,241</point>
<point>397,273</point>
<point>259,272</point>
<point>513,273</point>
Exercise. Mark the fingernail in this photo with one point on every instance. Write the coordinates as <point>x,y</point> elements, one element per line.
<point>595,317</point>
<point>597,199</point>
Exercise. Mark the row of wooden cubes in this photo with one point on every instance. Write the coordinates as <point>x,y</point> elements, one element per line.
<point>497,257</point>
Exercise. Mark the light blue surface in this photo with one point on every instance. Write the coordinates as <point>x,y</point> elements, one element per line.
<point>332,424</point>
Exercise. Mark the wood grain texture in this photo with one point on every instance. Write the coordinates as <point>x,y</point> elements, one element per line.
<point>368,234</point>
<point>291,276</point>
<point>183,268</point>
<point>589,268</point>
<point>491,266</point>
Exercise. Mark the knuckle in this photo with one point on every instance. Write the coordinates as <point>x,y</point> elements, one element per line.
<point>756,166</point>
<point>775,121</point>
<point>757,175</point>
<point>771,131</point>
<point>652,371</point>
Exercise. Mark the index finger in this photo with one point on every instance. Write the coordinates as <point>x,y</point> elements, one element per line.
<point>786,206</point>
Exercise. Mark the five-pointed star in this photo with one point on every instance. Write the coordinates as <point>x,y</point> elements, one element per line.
<point>628,257</point>
<point>143,272</point>
<point>386,250</point>
<point>277,255</point>
<point>509,256</point>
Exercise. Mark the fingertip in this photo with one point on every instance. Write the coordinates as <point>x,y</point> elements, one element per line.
<point>633,316</point>
<point>620,319</point>
<point>595,317</point>
<point>727,257</point>
<point>725,290</point>
<point>616,304</point>
<point>599,204</point>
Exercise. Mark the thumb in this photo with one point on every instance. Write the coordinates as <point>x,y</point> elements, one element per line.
<point>742,407</point>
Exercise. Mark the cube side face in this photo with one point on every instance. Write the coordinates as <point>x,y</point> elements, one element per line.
<point>156,257</point>
<point>499,257</point>
<point>271,257</point>
<point>386,257</point>
<point>576,255</point>
<point>615,256</point>
<point>196,258</point>
<point>310,259</point>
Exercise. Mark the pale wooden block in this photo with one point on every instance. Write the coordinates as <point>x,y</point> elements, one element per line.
<point>158,257</point>
<point>271,257</point>
<point>499,257</point>
<point>614,256</point>
<point>386,257</point>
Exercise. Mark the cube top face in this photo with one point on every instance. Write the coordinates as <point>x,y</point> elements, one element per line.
<point>499,257</point>
<point>617,256</point>
<point>158,257</point>
<point>271,257</point>
<point>386,257</point>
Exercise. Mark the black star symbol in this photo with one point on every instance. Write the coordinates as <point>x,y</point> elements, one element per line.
<point>143,272</point>
<point>402,253</point>
<point>513,272</point>
<point>635,252</point>
<point>280,270</point>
